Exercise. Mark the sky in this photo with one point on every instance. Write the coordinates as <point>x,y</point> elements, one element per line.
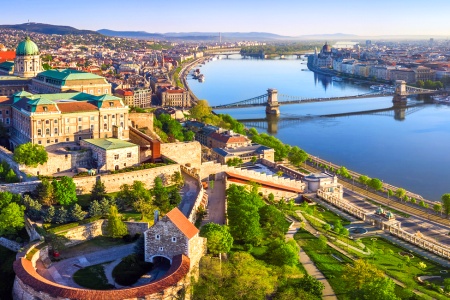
<point>284,17</point>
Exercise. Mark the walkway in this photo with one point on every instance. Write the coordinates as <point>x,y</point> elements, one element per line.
<point>62,272</point>
<point>308,264</point>
<point>216,203</point>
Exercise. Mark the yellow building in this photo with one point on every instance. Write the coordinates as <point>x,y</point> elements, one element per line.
<point>47,119</point>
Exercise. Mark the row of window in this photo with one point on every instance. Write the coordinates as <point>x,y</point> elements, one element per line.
<point>116,156</point>
<point>80,128</point>
<point>158,237</point>
<point>80,119</point>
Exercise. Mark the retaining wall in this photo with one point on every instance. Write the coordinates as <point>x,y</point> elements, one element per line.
<point>11,245</point>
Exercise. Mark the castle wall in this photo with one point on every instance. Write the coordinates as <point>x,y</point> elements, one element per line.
<point>184,153</point>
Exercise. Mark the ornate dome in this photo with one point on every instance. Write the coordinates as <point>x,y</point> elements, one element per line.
<point>27,47</point>
<point>326,48</point>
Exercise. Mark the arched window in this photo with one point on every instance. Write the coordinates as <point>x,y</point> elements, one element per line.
<point>105,126</point>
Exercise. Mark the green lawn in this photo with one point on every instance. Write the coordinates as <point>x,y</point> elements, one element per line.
<point>387,258</point>
<point>329,265</point>
<point>92,277</point>
<point>7,258</point>
<point>96,244</point>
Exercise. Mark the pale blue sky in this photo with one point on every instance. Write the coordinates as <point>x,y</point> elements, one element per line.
<point>285,17</point>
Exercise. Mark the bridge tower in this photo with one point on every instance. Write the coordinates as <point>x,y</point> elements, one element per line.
<point>400,91</point>
<point>272,107</point>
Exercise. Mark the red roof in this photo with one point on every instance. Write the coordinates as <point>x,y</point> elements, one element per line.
<point>227,138</point>
<point>7,55</point>
<point>182,223</point>
<point>71,107</point>
<point>124,92</point>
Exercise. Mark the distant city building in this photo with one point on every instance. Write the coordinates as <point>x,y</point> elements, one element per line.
<point>227,139</point>
<point>246,153</point>
<point>174,96</point>
<point>323,59</point>
<point>141,98</point>
<point>28,60</point>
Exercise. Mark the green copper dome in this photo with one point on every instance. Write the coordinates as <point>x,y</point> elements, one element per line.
<point>27,47</point>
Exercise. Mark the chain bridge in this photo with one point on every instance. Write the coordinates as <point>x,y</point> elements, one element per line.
<point>273,123</point>
<point>272,100</point>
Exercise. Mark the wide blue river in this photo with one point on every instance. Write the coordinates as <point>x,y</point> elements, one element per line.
<point>409,149</point>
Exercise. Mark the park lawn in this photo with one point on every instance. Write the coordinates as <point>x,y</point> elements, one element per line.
<point>325,262</point>
<point>95,244</point>
<point>92,277</point>
<point>395,265</point>
<point>329,216</point>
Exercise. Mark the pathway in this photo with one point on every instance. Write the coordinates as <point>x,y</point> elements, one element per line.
<point>62,272</point>
<point>216,203</point>
<point>310,267</point>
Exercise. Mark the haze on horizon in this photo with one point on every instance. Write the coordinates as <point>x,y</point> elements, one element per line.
<point>283,17</point>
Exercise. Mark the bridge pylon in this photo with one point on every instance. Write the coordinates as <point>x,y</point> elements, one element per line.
<point>400,91</point>
<point>273,107</point>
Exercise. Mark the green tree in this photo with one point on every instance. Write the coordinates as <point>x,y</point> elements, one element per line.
<point>65,191</point>
<point>360,274</point>
<point>44,192</point>
<point>323,242</point>
<point>105,206</point>
<point>98,191</point>
<point>219,239</point>
<point>145,207</point>
<point>311,285</point>
<point>376,289</point>
<point>297,156</point>
<point>30,155</point>
<point>390,193</point>
<point>281,253</point>
<point>11,176</point>
<point>95,209</point>
<point>447,285</point>
<point>61,215</point>
<point>344,172</point>
<point>49,214</point>
<point>446,203</point>
<point>273,221</point>
<point>254,159</point>
<point>235,161</point>
<point>11,218</point>
<point>33,207</point>
<point>437,208</point>
<point>76,213</point>
<point>376,184</point>
<point>363,179</point>
<point>400,193</point>
<point>326,226</point>
<point>116,228</point>
<point>201,110</point>
<point>160,195</point>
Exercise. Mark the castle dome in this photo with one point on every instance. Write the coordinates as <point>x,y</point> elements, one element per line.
<point>27,47</point>
<point>326,48</point>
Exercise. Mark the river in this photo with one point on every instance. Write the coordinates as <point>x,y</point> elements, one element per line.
<point>411,152</point>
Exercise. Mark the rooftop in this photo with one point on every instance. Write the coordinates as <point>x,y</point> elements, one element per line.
<point>110,143</point>
<point>182,223</point>
<point>69,74</point>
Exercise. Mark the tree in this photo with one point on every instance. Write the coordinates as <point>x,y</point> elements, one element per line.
<point>219,239</point>
<point>344,172</point>
<point>437,208</point>
<point>363,179</point>
<point>144,207</point>
<point>30,155</point>
<point>44,191</point>
<point>297,156</point>
<point>447,285</point>
<point>283,253</point>
<point>76,213</point>
<point>49,215</point>
<point>326,226</point>
<point>61,215</point>
<point>95,209</point>
<point>422,265</point>
<point>376,184</point>
<point>201,110</point>
<point>33,207</point>
<point>400,193</point>
<point>11,176</point>
<point>311,285</point>
<point>254,159</point>
<point>273,221</point>
<point>177,179</point>
<point>390,193</point>
<point>116,228</point>
<point>65,191</point>
<point>323,242</point>
<point>11,218</point>
<point>360,274</point>
<point>376,289</point>
<point>446,203</point>
<point>98,191</point>
<point>235,161</point>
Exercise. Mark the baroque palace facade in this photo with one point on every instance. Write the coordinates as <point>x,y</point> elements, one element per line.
<point>56,106</point>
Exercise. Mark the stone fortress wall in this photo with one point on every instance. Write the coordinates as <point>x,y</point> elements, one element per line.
<point>184,153</point>
<point>112,181</point>
<point>209,168</point>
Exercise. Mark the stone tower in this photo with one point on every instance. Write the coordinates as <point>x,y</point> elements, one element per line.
<point>272,107</point>
<point>28,61</point>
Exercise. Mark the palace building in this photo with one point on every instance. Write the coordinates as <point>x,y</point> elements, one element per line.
<point>48,119</point>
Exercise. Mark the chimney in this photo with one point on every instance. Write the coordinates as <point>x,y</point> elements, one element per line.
<point>156,216</point>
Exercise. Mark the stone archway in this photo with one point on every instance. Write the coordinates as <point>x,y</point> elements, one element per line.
<point>160,259</point>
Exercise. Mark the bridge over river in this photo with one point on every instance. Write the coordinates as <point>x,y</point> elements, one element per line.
<point>272,123</point>
<point>272,100</point>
